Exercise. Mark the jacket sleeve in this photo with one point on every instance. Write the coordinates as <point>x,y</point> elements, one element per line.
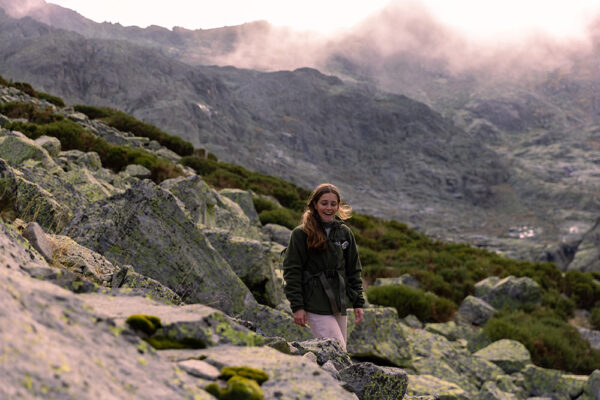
<point>295,258</point>
<point>354,272</point>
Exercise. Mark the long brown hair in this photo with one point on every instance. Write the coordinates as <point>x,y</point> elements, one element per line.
<point>311,223</point>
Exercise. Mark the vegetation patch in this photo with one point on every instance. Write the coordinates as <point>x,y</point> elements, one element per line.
<point>552,342</point>
<point>407,300</point>
<point>126,123</point>
<point>148,324</point>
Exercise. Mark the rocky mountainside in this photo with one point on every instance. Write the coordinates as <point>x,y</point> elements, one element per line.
<point>391,156</point>
<point>114,286</point>
<point>509,164</point>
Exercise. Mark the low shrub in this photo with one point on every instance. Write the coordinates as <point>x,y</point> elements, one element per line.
<point>280,216</point>
<point>552,342</point>
<point>407,300</point>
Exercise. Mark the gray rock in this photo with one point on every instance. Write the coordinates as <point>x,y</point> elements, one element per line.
<point>290,377</point>
<point>509,292</point>
<point>51,144</point>
<point>380,336</point>
<point>592,336</point>
<point>405,279</point>
<point>34,233</point>
<point>326,349</point>
<point>372,382</point>
<point>510,355</point>
<point>428,385</point>
<point>252,262</point>
<point>61,348</point>
<point>243,198</point>
<point>146,228</point>
<point>137,171</point>
<point>490,391</point>
<point>277,233</point>
<point>199,369</point>
<point>552,383</point>
<point>475,310</point>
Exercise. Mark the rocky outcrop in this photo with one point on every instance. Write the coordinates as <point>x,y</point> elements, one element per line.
<point>510,292</point>
<point>510,355</point>
<point>145,227</point>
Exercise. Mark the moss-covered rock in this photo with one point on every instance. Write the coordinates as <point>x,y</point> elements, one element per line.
<point>379,337</point>
<point>549,382</point>
<point>326,349</point>
<point>510,355</point>
<point>146,228</point>
<point>428,385</point>
<point>475,310</point>
<point>510,292</point>
<point>251,260</point>
<point>372,382</point>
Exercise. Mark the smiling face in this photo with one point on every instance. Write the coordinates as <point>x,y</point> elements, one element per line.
<point>327,205</point>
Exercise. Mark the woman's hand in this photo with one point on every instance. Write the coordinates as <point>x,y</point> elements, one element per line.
<point>300,317</point>
<point>358,315</point>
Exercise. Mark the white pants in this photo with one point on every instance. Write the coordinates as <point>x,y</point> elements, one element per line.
<point>328,326</point>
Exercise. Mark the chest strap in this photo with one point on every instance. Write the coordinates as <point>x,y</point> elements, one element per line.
<point>323,275</point>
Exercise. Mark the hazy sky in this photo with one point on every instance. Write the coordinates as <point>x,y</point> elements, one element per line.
<point>477,18</point>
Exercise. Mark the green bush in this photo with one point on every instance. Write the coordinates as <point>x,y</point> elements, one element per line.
<point>552,342</point>
<point>580,286</point>
<point>280,216</point>
<point>595,317</point>
<point>57,101</point>
<point>407,300</point>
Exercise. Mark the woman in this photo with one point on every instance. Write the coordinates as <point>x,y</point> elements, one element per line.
<point>321,268</point>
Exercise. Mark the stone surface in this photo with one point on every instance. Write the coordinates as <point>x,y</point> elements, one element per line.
<point>242,198</point>
<point>145,227</point>
<point>509,292</point>
<point>326,349</point>
<point>428,385</point>
<point>510,355</point>
<point>548,382</point>
<point>200,369</point>
<point>50,144</point>
<point>34,233</point>
<point>475,310</point>
<point>251,260</point>
<point>405,279</point>
<point>372,382</point>
<point>56,347</point>
<point>277,233</point>
<point>290,377</point>
<point>380,336</point>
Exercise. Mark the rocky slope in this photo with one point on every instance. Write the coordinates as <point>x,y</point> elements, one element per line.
<point>121,295</point>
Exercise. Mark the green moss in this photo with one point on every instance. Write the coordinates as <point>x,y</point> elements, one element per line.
<point>247,372</point>
<point>238,388</point>
<point>164,342</point>
<point>145,323</point>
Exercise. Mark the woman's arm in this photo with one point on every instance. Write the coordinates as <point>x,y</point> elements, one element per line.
<point>295,258</point>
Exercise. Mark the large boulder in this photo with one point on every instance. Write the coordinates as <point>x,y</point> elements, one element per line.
<point>145,227</point>
<point>552,383</point>
<point>251,260</point>
<point>380,336</point>
<point>56,346</point>
<point>475,310</point>
<point>243,198</point>
<point>510,355</point>
<point>510,292</point>
<point>372,382</point>
<point>587,256</point>
<point>208,209</point>
<point>29,201</point>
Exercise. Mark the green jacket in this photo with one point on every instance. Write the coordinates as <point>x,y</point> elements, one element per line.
<point>303,271</point>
